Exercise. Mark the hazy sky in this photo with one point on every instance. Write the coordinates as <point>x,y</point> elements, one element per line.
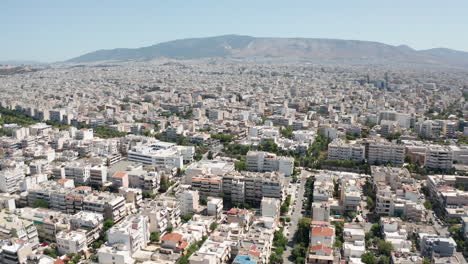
<point>47,30</point>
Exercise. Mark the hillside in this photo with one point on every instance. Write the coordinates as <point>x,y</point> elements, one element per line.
<point>294,48</point>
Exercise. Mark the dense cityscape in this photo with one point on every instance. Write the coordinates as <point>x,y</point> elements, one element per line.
<point>212,161</point>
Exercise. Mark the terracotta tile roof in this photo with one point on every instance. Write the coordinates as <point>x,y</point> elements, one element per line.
<point>206,180</point>
<point>322,248</point>
<point>175,237</point>
<point>119,175</point>
<point>183,244</point>
<point>322,231</point>
<point>62,181</point>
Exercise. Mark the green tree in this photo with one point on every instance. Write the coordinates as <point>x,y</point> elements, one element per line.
<point>154,237</point>
<point>213,226</point>
<point>369,258</point>
<point>384,248</point>
<point>107,224</point>
<point>240,165</point>
<point>40,203</point>
<point>210,155</point>
<point>384,260</point>
<point>203,201</point>
<point>287,132</point>
<point>187,217</point>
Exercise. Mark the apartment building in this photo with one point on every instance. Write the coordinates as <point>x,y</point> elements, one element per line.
<point>253,186</point>
<point>133,232</point>
<point>13,226</point>
<point>207,186</point>
<point>340,150</point>
<point>264,162</point>
<point>383,152</point>
<point>10,180</point>
<point>155,156</point>
<point>439,158</point>
<point>161,214</point>
<point>71,242</point>
<point>435,246</point>
<point>189,202</point>
<point>89,222</point>
<point>48,222</point>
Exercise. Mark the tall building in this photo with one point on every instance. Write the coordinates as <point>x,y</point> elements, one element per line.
<point>263,161</point>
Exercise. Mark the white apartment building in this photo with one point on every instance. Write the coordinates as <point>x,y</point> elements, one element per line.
<point>340,150</point>
<point>71,242</point>
<point>189,202</point>
<point>10,180</point>
<point>264,161</point>
<point>214,207</point>
<point>382,153</point>
<point>118,254</point>
<point>270,207</point>
<point>133,232</point>
<point>439,157</point>
<point>13,226</point>
<point>321,211</point>
<point>172,157</point>
<point>161,214</point>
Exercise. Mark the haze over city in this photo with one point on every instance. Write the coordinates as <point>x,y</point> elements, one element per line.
<point>244,132</point>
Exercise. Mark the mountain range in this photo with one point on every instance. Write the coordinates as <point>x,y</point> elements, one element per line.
<point>310,49</point>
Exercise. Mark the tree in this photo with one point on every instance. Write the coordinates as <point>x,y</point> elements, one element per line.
<point>428,205</point>
<point>169,229</point>
<point>107,224</point>
<point>213,226</point>
<point>240,165</point>
<point>187,218</point>
<point>369,258</point>
<point>384,260</point>
<point>40,203</point>
<point>154,237</point>
<point>210,155</point>
<point>384,248</point>
<point>204,201</point>
<point>287,132</point>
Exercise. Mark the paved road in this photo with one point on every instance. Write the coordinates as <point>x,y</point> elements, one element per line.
<point>295,216</point>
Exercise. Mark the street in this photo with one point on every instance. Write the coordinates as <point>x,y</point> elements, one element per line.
<point>296,215</point>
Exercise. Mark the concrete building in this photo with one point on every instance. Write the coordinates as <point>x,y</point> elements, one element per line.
<point>339,150</point>
<point>71,242</point>
<point>270,207</point>
<point>263,161</point>
<point>438,158</point>
<point>215,207</point>
<point>117,254</point>
<point>14,227</point>
<point>189,202</point>
<point>10,180</point>
<point>382,153</point>
<point>133,232</point>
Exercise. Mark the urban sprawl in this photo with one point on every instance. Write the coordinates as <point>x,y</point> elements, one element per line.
<point>217,161</point>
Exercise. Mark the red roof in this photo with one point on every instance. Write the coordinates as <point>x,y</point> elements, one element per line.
<point>119,175</point>
<point>322,248</point>
<point>322,231</point>
<point>175,237</point>
<point>183,244</point>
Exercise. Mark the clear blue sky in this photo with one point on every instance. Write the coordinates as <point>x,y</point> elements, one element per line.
<point>53,30</point>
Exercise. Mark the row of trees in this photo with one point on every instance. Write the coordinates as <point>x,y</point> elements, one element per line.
<point>301,239</point>
<point>279,244</point>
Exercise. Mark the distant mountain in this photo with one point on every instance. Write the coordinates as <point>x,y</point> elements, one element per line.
<point>19,63</point>
<point>334,50</point>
